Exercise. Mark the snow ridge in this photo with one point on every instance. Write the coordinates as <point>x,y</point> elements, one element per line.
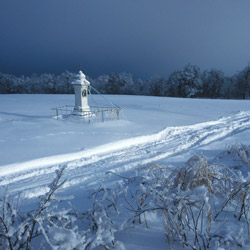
<point>90,165</point>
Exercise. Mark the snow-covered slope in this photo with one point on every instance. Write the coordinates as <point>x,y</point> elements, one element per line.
<point>154,130</point>
<point>32,144</point>
<point>27,131</point>
<point>91,164</point>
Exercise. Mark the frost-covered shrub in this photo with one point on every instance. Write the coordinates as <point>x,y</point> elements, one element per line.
<point>202,205</point>
<point>236,155</point>
<point>58,228</point>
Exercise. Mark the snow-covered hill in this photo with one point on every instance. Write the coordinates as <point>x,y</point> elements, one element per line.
<point>27,131</point>
<point>154,130</point>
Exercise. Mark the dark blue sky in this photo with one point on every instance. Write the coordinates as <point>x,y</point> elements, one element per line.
<point>142,37</point>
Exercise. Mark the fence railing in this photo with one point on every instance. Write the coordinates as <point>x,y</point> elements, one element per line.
<point>94,114</point>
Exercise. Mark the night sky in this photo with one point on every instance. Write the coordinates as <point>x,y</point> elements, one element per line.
<point>143,37</point>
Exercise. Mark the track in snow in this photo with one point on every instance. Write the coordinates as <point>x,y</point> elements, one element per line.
<point>31,178</point>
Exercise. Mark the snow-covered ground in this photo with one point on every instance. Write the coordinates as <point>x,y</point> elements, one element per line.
<point>153,130</point>
<point>27,131</point>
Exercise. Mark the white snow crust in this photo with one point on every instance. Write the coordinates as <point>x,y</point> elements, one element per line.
<point>154,129</point>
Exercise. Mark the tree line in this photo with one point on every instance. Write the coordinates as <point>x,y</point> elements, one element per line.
<point>190,82</point>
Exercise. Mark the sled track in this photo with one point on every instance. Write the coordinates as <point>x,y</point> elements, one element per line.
<point>31,178</point>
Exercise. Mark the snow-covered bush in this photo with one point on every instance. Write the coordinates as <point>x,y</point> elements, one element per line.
<point>19,228</point>
<point>201,206</point>
<point>59,228</point>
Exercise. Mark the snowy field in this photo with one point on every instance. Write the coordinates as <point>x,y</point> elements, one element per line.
<point>154,130</point>
<point>27,131</point>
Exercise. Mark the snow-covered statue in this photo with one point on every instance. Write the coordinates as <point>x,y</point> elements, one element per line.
<point>81,86</point>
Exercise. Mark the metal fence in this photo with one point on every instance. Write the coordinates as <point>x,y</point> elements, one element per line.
<point>94,114</point>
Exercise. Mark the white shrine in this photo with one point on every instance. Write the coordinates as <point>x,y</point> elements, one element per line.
<point>102,110</point>
<point>81,87</point>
